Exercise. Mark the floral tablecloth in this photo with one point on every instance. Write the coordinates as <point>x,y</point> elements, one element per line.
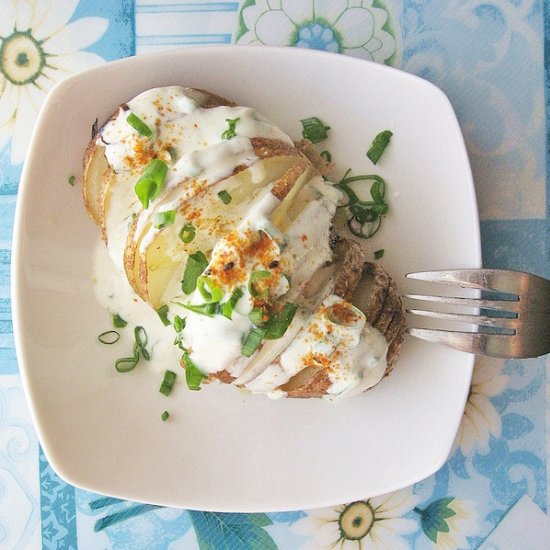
<point>489,57</point>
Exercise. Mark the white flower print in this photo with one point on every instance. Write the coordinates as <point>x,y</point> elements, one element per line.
<point>374,523</point>
<point>481,419</point>
<point>38,47</point>
<point>353,27</point>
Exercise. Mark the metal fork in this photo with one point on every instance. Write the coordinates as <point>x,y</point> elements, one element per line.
<point>512,326</point>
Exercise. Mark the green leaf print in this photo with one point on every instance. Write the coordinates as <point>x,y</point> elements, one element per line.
<point>432,518</point>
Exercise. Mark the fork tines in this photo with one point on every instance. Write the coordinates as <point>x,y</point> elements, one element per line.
<point>514,320</point>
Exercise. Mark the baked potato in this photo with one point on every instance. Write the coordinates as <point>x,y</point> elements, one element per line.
<point>216,218</point>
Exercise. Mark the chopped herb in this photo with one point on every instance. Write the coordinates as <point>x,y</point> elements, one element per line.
<point>71,180</point>
<point>225,197</point>
<point>164,416</point>
<point>230,132</point>
<point>179,323</point>
<point>168,382</point>
<point>204,309</point>
<point>193,375</point>
<point>258,316</point>
<point>196,264</point>
<point>366,216</point>
<point>109,337</point>
<point>229,306</point>
<point>208,290</point>
<point>255,277</point>
<point>277,325</point>
<point>162,312</point>
<point>141,341</point>
<point>379,144</point>
<point>187,233</point>
<point>326,155</point>
<point>164,219</point>
<point>118,321</point>
<point>252,341</point>
<point>314,129</point>
<point>151,181</point>
<point>137,124</point>
<point>378,254</point>
<point>126,364</point>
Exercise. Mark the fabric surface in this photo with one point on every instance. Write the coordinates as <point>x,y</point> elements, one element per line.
<point>489,58</point>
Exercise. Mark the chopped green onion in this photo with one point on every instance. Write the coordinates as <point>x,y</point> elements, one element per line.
<point>379,144</point>
<point>230,132</point>
<point>258,316</point>
<point>179,323</point>
<point>314,129</point>
<point>254,278</point>
<point>118,321</point>
<point>278,324</point>
<point>126,364</point>
<point>168,382</point>
<point>164,219</point>
<point>357,228</point>
<point>164,416</point>
<point>208,290</point>
<point>252,341</point>
<point>225,197</point>
<point>137,124</point>
<point>71,180</point>
<point>162,312</point>
<point>229,306</point>
<point>204,309</point>
<point>378,254</point>
<point>187,233</point>
<point>109,337</point>
<point>141,341</point>
<point>326,155</point>
<point>196,264</point>
<point>193,375</point>
<point>151,181</point>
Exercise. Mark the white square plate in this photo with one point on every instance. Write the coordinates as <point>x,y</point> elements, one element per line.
<point>224,450</point>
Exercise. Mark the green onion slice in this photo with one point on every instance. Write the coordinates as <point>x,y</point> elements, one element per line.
<point>187,233</point>
<point>378,254</point>
<point>168,382</point>
<point>150,184</point>
<point>225,197</point>
<point>164,219</point>
<point>278,324</point>
<point>204,309</point>
<point>230,132</point>
<point>252,341</point>
<point>196,264</point>
<point>179,323</point>
<point>109,337</point>
<point>118,321</point>
<point>208,290</point>
<point>193,375</point>
<point>258,317</point>
<point>126,364</point>
<point>164,416</point>
<point>378,146</point>
<point>137,124</point>
<point>314,129</point>
<point>326,155</point>
<point>255,277</point>
<point>141,341</point>
<point>72,179</point>
<point>162,312</point>
<point>229,306</point>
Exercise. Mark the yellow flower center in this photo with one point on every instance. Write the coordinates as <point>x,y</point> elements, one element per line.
<point>21,58</point>
<point>356,520</point>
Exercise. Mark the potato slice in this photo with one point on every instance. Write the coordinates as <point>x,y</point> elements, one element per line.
<point>95,169</point>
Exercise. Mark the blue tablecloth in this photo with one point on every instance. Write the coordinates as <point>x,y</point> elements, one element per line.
<point>489,57</point>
